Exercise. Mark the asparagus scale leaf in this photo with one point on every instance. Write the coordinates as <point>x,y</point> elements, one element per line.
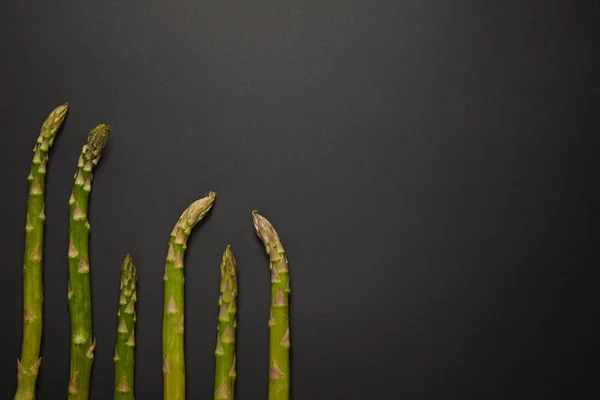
<point>225,351</point>
<point>80,303</point>
<point>124,352</point>
<point>279,337</point>
<point>173,325</point>
<point>29,364</point>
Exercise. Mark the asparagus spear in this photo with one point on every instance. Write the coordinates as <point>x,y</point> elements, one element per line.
<point>173,326</point>
<point>28,366</point>
<point>80,304</point>
<point>225,352</point>
<point>124,352</point>
<point>279,342</point>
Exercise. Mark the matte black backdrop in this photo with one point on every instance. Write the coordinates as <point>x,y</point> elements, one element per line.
<point>427,163</point>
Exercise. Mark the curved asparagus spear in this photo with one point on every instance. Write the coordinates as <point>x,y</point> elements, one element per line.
<point>28,366</point>
<point>124,352</point>
<point>173,344</point>
<point>279,342</point>
<point>80,303</point>
<point>225,352</point>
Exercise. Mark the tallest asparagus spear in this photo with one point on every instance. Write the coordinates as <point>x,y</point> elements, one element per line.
<point>80,304</point>
<point>28,366</point>
<point>173,345</point>
<point>279,338</point>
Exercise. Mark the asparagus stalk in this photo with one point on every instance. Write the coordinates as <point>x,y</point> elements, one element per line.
<point>28,366</point>
<point>173,326</point>
<point>225,352</point>
<point>80,304</point>
<point>124,352</point>
<point>279,342</point>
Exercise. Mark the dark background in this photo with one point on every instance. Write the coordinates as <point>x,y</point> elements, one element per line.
<point>428,164</point>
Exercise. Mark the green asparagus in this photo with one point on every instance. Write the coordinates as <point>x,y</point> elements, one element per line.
<point>279,342</point>
<point>28,366</point>
<point>80,304</point>
<point>124,352</point>
<point>173,325</point>
<point>225,352</point>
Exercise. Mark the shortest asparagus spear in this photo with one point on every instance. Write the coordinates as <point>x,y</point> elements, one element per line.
<point>225,352</point>
<point>124,352</point>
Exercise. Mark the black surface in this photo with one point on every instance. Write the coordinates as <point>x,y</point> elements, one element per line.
<point>428,164</point>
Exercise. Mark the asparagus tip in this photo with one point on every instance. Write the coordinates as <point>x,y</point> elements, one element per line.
<point>197,210</point>
<point>54,121</point>
<point>228,254</point>
<point>228,263</point>
<point>62,109</point>
<point>211,196</point>
<point>99,136</point>
<point>128,274</point>
<point>255,220</point>
<point>264,229</point>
